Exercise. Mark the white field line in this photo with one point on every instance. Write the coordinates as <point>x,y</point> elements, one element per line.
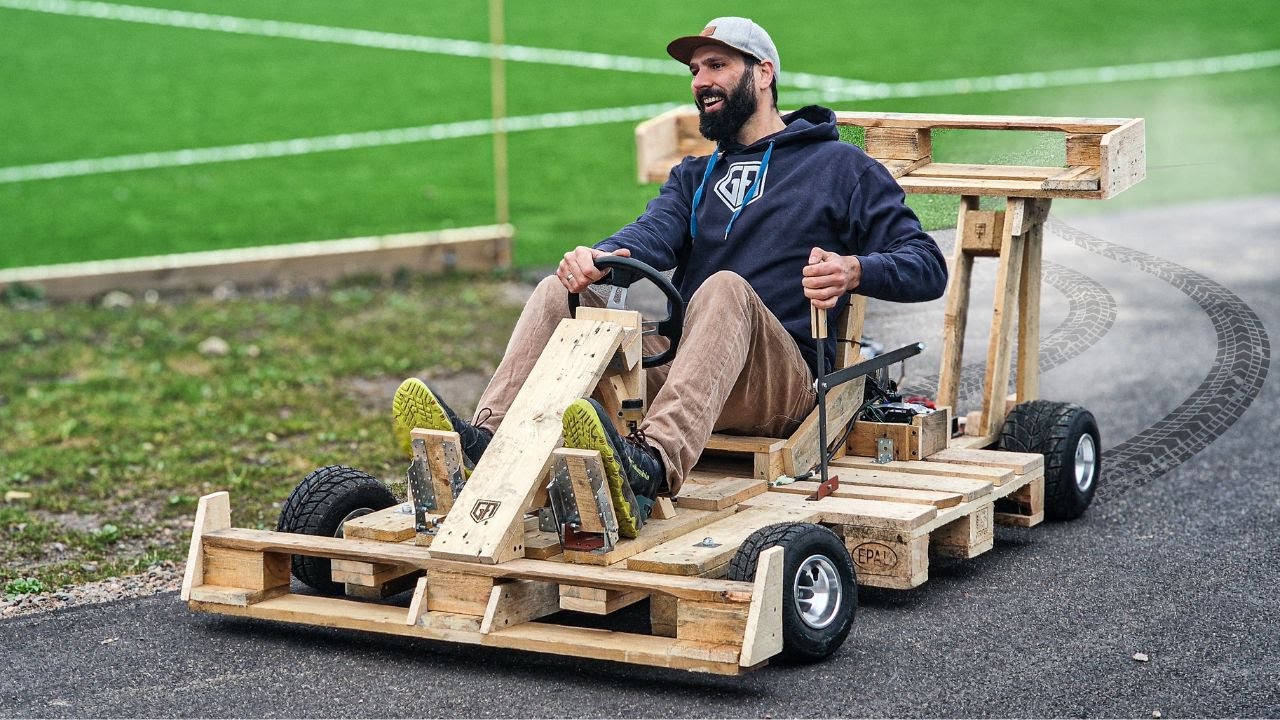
<point>471,128</point>
<point>326,143</point>
<point>815,88</point>
<point>389,41</point>
<point>1162,70</point>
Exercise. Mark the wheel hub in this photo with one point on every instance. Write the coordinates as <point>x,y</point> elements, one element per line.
<point>817,591</point>
<point>1086,462</point>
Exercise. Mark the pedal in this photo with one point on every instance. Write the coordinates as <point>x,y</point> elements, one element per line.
<point>435,477</point>
<point>827,487</point>
<point>580,503</point>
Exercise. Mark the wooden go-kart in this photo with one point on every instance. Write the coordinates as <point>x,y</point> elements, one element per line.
<point>762,553</point>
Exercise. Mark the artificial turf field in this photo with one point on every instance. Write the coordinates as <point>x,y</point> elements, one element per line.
<point>76,87</point>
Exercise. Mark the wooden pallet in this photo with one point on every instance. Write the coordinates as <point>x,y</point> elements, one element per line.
<point>892,518</point>
<point>1104,156</point>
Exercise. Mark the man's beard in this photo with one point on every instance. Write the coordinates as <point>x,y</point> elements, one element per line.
<point>739,105</point>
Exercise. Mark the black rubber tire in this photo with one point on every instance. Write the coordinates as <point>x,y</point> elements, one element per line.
<point>319,505</point>
<point>1055,430</point>
<point>799,542</point>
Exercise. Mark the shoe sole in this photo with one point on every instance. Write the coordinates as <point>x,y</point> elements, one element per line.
<point>583,430</point>
<point>414,406</point>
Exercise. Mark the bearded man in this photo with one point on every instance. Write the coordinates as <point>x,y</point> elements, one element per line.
<point>781,217</point>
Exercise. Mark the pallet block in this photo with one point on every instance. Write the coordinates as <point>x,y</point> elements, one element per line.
<point>596,601</point>
<point>924,436</point>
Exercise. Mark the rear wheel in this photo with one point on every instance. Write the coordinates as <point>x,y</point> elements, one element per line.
<point>319,505</point>
<point>1067,436</point>
<point>819,586</point>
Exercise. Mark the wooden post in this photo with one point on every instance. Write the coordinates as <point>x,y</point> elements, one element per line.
<point>1000,350</point>
<point>1029,303</point>
<point>498,93</point>
<point>957,313</point>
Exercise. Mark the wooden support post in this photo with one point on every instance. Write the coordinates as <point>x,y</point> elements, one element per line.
<point>1029,302</point>
<point>1000,349</point>
<point>586,472</point>
<point>622,392</point>
<point>957,312</point>
<point>441,452</point>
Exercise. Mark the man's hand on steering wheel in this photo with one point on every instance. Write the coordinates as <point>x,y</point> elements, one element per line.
<point>578,269</point>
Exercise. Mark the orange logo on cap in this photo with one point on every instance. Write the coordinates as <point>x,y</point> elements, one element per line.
<point>709,30</point>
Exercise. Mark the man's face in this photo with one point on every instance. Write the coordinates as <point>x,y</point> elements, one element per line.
<point>724,91</point>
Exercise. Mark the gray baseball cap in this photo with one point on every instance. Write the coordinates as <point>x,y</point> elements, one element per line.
<point>741,34</point>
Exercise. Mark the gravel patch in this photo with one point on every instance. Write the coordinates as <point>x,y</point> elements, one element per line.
<point>162,577</point>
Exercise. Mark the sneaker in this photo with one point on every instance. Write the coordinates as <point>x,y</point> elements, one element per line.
<point>632,466</point>
<point>415,406</point>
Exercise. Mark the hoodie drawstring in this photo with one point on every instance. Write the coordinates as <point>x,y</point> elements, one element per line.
<point>751,192</point>
<point>697,196</point>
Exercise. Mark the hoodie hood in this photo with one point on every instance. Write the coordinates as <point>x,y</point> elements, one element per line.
<point>808,124</point>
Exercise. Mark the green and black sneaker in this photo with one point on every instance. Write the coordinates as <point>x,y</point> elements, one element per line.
<point>416,406</point>
<point>632,467</point>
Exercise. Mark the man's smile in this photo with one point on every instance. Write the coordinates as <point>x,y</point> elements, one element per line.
<point>709,100</point>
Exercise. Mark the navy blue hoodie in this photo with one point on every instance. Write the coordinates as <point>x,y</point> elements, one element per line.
<point>814,190</point>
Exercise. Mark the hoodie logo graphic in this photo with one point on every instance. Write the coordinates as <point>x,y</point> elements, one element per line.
<point>733,187</point>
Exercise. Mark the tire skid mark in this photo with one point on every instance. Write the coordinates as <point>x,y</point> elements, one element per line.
<point>1236,377</point>
<point>1090,314</point>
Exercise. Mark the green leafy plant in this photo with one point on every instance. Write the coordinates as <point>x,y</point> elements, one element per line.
<point>23,586</point>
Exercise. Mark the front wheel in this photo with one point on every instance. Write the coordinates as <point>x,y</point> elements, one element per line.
<point>319,505</point>
<point>819,586</point>
<point>1067,436</point>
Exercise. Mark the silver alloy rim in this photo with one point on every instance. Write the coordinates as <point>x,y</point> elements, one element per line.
<point>817,591</point>
<point>1086,462</point>
<point>358,512</point>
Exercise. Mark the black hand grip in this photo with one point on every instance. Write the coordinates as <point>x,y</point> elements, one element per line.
<point>623,272</point>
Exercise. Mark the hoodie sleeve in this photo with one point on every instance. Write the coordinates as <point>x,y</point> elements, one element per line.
<point>658,237</point>
<point>900,261</point>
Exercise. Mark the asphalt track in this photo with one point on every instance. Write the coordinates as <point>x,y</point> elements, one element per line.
<point>1156,320</point>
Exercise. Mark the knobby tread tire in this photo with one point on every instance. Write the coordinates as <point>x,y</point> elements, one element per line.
<point>318,506</point>
<point>1052,429</point>
<point>801,643</point>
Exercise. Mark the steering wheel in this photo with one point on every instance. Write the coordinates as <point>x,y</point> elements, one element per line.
<point>623,271</point>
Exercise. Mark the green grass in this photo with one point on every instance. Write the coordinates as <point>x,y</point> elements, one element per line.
<point>115,422</point>
<point>83,88</point>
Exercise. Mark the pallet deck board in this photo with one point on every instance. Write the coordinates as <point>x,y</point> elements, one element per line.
<point>568,573</point>
<point>994,475</point>
<point>687,555</point>
<point>902,517</point>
